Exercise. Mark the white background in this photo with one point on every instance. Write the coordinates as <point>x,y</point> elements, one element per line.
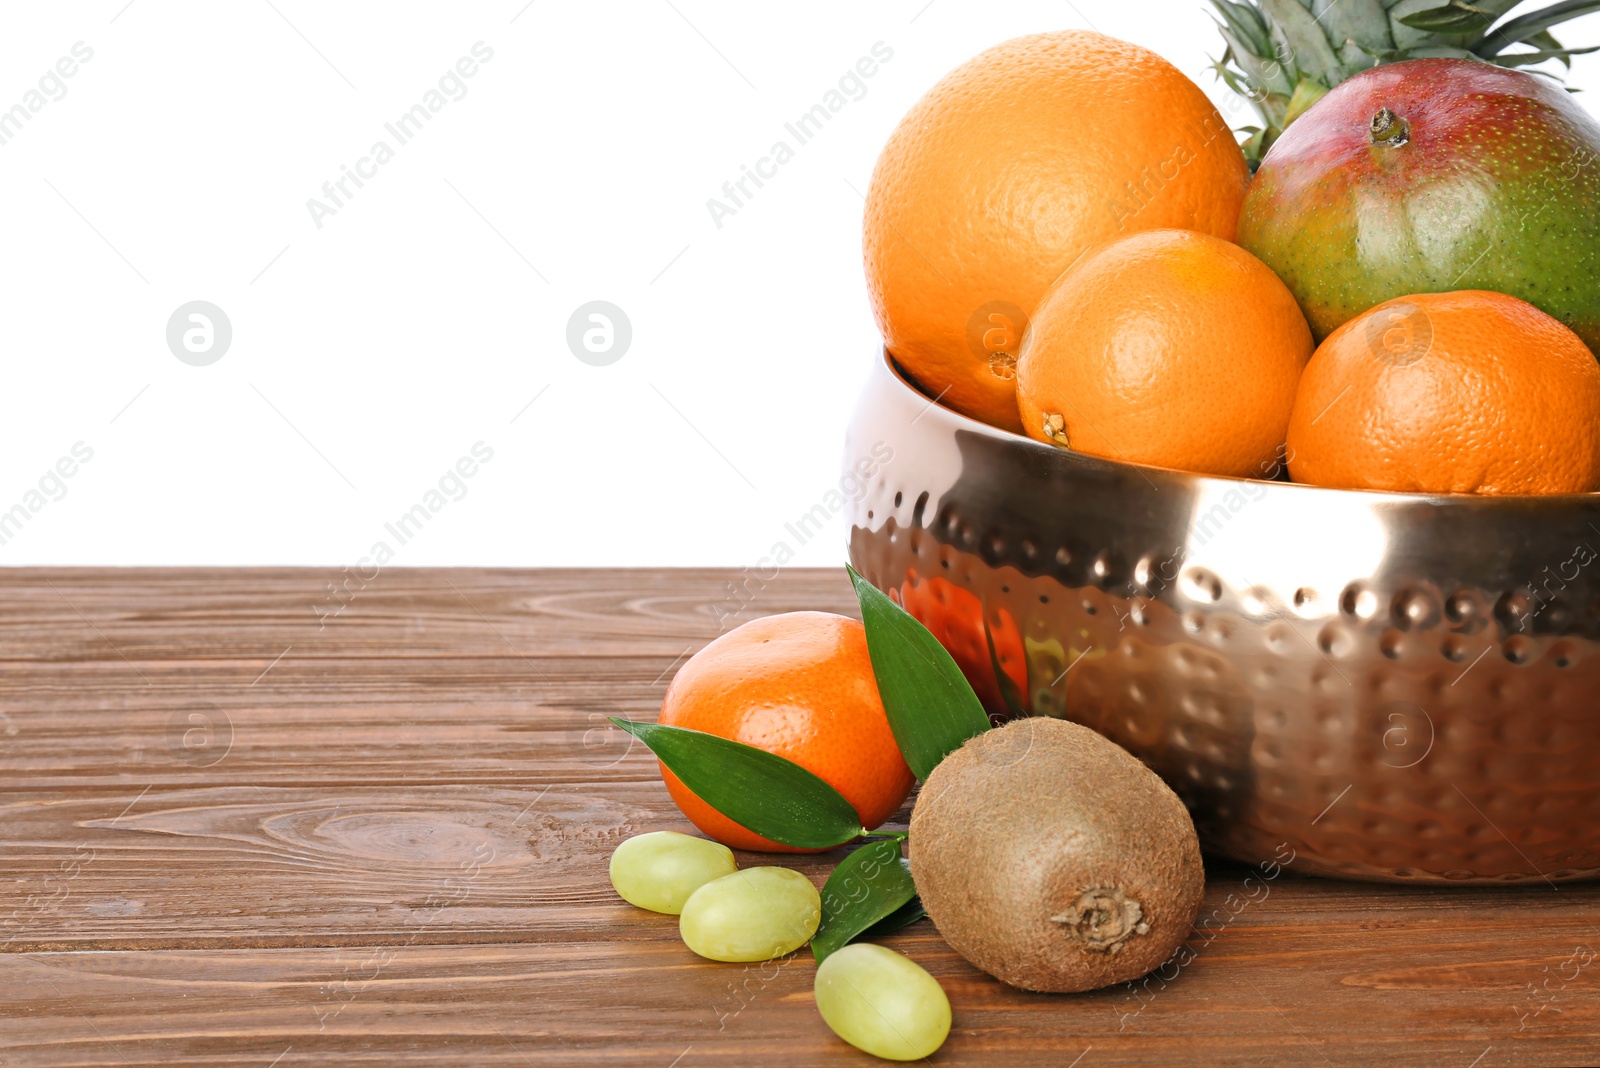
<point>369,355</point>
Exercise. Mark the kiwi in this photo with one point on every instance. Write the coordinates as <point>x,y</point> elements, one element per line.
<point>1053,859</point>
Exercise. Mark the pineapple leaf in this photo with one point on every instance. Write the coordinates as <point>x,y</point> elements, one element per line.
<point>1528,59</point>
<point>1360,22</point>
<point>1456,16</point>
<point>1499,7</point>
<point>1254,146</point>
<point>1246,24</point>
<point>1547,42</point>
<point>1404,36</point>
<point>1233,79</point>
<point>1306,93</point>
<point>1308,44</point>
<point>1410,37</point>
<point>1264,72</point>
<point>1354,58</point>
<point>1440,52</point>
<point>1270,107</point>
<point>1400,55</point>
<point>1533,24</point>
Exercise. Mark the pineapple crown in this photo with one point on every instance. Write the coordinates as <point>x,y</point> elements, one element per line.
<point>1284,55</point>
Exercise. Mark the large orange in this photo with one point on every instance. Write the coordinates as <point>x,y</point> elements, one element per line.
<point>799,685</point>
<point>1169,348</point>
<point>1467,392</point>
<point>1006,172</point>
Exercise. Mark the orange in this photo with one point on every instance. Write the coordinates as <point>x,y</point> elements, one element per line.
<point>977,643</point>
<point>1170,348</point>
<point>799,685</point>
<point>1006,172</point>
<point>1468,392</point>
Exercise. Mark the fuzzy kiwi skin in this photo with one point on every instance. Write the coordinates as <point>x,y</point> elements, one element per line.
<point>1028,845</point>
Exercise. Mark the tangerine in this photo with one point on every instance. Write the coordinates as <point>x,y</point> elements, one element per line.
<point>1466,392</point>
<point>800,685</point>
<point>1170,348</point>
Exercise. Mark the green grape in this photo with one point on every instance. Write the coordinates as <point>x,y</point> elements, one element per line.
<point>660,870</point>
<point>882,1002</point>
<point>754,914</point>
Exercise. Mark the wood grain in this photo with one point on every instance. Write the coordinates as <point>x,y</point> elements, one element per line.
<point>385,840</point>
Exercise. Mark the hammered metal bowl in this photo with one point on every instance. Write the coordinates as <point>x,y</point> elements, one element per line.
<point>1379,685</point>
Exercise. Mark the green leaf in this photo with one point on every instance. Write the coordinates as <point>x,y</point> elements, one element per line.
<point>1265,73</point>
<point>1306,94</point>
<point>760,791</point>
<point>867,887</point>
<point>1499,7</point>
<point>904,916</point>
<point>1307,40</point>
<point>1245,22</point>
<point>1254,147</point>
<point>1430,52</point>
<point>1406,37</point>
<point>1354,58</point>
<point>1441,52</point>
<point>1546,40</point>
<point>1264,104</point>
<point>1526,59</point>
<point>1456,16</point>
<point>931,707</point>
<point>1362,21</point>
<point>1532,24</point>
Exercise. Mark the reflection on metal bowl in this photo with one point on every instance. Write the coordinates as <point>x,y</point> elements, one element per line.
<point>1392,686</point>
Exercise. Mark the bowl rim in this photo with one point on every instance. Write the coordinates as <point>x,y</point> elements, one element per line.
<point>1469,501</point>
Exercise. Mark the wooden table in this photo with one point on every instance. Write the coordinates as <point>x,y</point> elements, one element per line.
<point>247,818</point>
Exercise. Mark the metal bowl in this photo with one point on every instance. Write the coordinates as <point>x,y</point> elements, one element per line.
<point>1379,685</point>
